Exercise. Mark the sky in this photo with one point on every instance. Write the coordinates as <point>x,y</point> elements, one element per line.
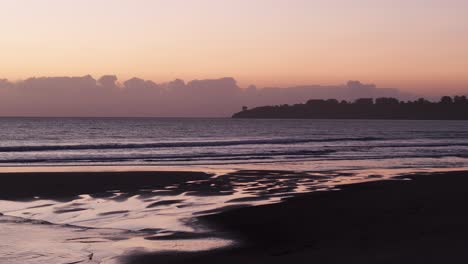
<point>415,45</point>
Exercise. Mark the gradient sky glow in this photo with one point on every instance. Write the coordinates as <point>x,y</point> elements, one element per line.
<point>418,45</point>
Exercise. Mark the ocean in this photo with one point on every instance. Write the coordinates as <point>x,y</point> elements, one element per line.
<point>151,179</point>
<point>233,143</point>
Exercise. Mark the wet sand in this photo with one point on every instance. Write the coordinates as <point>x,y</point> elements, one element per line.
<point>68,185</point>
<point>246,216</point>
<point>66,216</point>
<point>422,220</point>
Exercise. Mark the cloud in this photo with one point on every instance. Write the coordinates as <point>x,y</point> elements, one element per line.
<point>108,81</point>
<point>138,84</point>
<point>86,96</point>
<point>4,84</point>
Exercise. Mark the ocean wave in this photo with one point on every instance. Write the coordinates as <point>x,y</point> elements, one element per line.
<point>181,157</point>
<point>28,148</point>
<point>301,155</point>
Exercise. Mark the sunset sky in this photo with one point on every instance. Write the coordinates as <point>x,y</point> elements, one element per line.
<point>416,45</point>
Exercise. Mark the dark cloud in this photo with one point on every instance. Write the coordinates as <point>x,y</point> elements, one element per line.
<point>86,96</point>
<point>108,81</point>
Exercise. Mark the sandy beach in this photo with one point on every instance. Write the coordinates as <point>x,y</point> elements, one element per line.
<point>242,216</point>
<point>66,216</point>
<point>418,220</point>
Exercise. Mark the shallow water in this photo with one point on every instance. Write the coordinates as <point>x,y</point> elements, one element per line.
<point>35,242</point>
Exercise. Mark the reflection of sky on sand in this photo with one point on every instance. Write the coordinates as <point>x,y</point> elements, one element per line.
<point>166,208</point>
<point>25,242</point>
<point>153,219</point>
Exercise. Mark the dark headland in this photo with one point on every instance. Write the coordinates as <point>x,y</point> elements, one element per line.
<point>447,108</point>
<point>422,220</point>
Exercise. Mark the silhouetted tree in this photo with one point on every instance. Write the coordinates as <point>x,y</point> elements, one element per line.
<point>386,101</point>
<point>364,101</point>
<point>460,100</point>
<point>446,100</point>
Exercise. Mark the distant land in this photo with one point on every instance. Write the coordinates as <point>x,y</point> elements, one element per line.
<point>447,108</point>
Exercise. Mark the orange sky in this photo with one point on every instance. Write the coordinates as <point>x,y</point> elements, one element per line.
<point>417,45</point>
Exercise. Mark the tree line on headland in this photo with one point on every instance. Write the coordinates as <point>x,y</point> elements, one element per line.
<point>448,108</point>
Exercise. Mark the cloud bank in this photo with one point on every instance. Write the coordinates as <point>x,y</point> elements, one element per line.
<point>106,96</point>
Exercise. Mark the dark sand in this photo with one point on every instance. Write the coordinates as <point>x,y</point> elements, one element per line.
<point>424,220</point>
<point>68,185</point>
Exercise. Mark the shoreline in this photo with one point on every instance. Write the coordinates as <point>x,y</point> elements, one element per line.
<point>255,212</point>
<point>422,220</point>
<point>110,168</point>
<point>59,182</point>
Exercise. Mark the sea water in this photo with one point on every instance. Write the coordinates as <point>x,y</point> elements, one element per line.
<point>233,143</point>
